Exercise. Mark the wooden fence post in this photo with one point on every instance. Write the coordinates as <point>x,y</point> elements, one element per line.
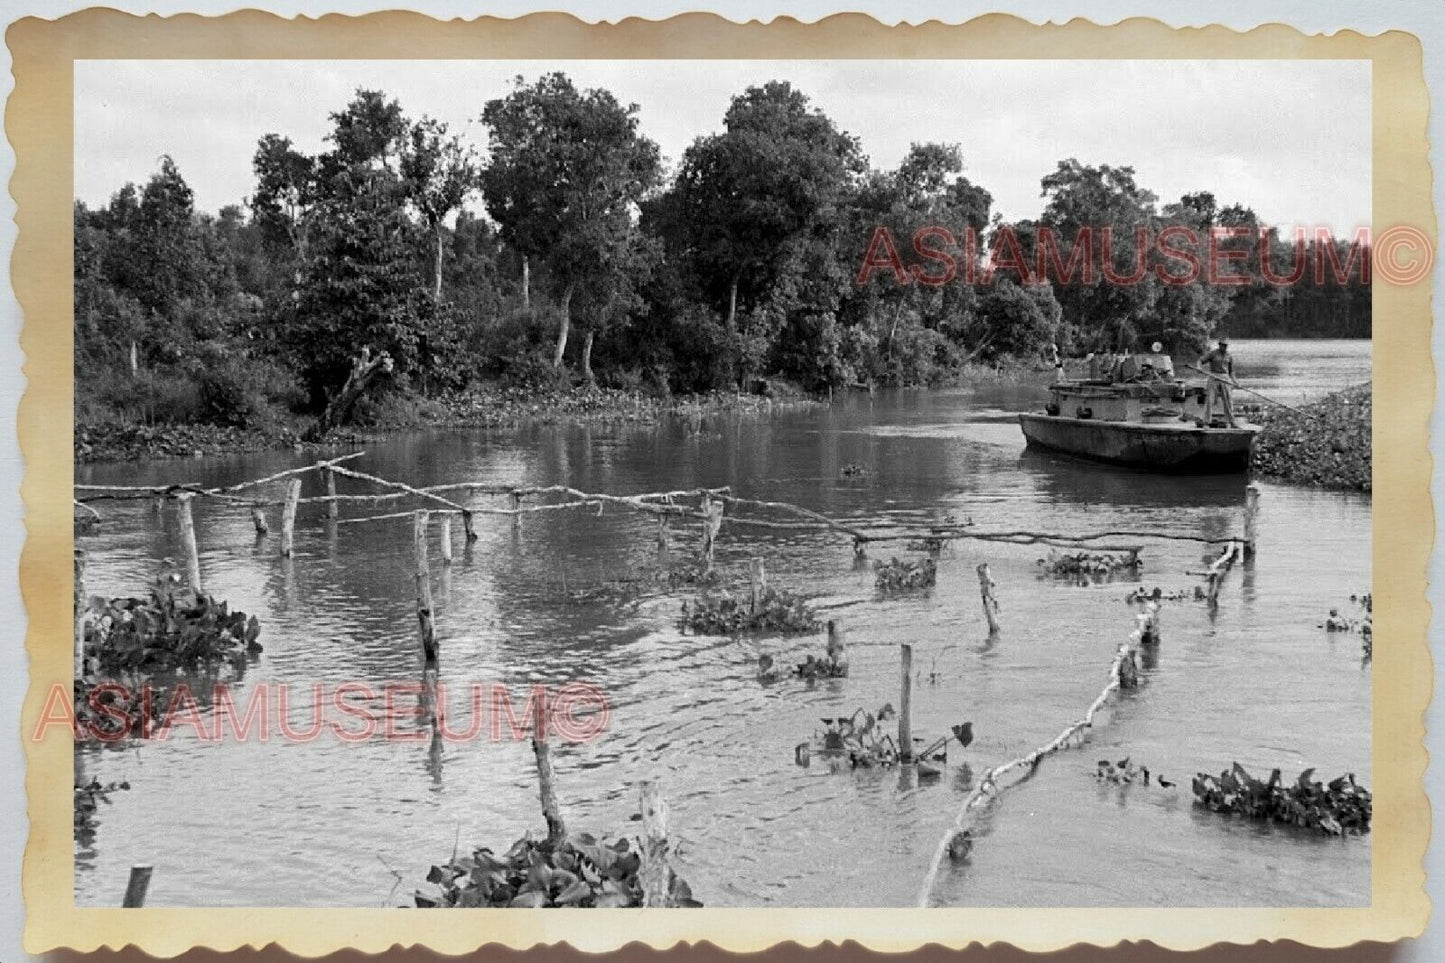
<point>426,623</point>
<point>837,643</point>
<point>333,510</point>
<point>188,541</point>
<point>905,705</point>
<point>80,606</point>
<point>446,534</point>
<point>757,582</point>
<point>986,586</point>
<point>288,516</point>
<point>136,886</point>
<point>711,524</point>
<point>551,811</point>
<point>258,519</point>
<point>1251,511</point>
<point>655,874</point>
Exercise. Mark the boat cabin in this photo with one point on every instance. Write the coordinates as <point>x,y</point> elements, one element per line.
<point>1140,388</point>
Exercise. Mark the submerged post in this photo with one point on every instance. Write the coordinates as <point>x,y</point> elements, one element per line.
<point>837,643</point>
<point>426,623</point>
<point>757,582</point>
<point>79,614</point>
<point>905,705</point>
<point>188,541</point>
<point>136,886</point>
<point>446,534</point>
<point>986,586</point>
<point>258,519</point>
<point>655,874</point>
<point>1251,511</point>
<point>332,508</point>
<point>288,516</point>
<point>551,811</point>
<point>711,523</point>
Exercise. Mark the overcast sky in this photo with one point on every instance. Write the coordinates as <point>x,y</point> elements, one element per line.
<point>1289,138</point>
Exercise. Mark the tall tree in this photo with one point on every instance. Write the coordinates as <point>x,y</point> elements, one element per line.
<point>780,168</point>
<point>567,170</point>
<point>439,172</point>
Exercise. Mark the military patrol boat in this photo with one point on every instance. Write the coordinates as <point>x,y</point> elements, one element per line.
<point>1132,410</point>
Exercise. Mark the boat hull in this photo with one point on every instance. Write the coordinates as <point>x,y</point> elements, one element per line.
<point>1176,447</point>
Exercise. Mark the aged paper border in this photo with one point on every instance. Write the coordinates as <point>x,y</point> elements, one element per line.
<point>39,125</point>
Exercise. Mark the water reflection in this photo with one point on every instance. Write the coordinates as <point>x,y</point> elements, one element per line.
<point>570,596</point>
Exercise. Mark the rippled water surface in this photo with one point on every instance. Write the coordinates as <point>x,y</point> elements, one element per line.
<point>328,822</point>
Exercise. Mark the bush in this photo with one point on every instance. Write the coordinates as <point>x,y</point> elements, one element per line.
<point>245,392</point>
<point>113,396</point>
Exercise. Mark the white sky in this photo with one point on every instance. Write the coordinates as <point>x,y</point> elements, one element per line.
<point>1289,138</point>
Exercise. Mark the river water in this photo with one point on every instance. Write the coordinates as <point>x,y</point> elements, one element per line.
<point>336,823</point>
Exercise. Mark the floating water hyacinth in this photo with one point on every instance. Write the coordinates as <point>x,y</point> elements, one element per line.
<point>778,611</point>
<point>1337,808</point>
<point>579,872</point>
<point>897,575</point>
<point>173,627</point>
<point>1088,565</point>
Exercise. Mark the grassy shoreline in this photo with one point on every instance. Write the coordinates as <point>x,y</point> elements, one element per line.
<point>484,407</point>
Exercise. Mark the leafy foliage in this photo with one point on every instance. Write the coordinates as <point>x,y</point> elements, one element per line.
<point>741,270</point>
<point>1338,808</point>
<point>581,871</point>
<point>721,613</point>
<point>1325,443</point>
<point>904,575</point>
<point>171,628</point>
<point>88,799</point>
<point>1089,566</point>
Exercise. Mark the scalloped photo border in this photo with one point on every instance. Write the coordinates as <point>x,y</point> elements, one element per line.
<point>39,123</point>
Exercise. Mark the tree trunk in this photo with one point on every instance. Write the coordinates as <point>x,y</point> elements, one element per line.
<point>733,306</point>
<point>437,289</point>
<point>587,358</point>
<point>364,370</point>
<point>566,326</point>
<point>526,283</point>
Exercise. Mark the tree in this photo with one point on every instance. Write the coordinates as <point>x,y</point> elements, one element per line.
<point>286,192</point>
<point>439,173</point>
<point>567,171</point>
<point>779,169</point>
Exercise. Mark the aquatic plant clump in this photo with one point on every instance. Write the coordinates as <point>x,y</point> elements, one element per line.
<point>903,575</point>
<point>88,798</point>
<point>579,872</point>
<point>1326,443</point>
<point>778,611</point>
<point>1338,808</point>
<point>1089,566</point>
<point>173,627</point>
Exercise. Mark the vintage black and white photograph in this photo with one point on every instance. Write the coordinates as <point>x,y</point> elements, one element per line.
<point>722,483</point>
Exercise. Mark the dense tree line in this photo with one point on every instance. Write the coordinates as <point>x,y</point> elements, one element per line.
<point>569,254</point>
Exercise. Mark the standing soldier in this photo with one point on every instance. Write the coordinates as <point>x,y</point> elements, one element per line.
<point>1220,367</point>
